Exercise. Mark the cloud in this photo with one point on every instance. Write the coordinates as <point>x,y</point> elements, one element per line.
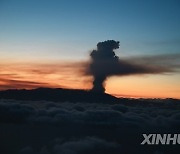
<point>104,63</point>
<point>20,84</point>
<point>66,127</point>
<point>77,146</point>
<point>30,76</point>
<point>89,113</point>
<point>87,145</point>
<point>169,61</point>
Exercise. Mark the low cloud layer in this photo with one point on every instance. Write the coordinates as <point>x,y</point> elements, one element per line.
<point>65,127</point>
<point>87,145</point>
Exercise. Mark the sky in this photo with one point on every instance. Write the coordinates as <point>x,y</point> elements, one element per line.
<point>43,43</point>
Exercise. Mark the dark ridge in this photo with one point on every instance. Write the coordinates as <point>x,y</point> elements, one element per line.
<point>74,95</point>
<point>57,94</point>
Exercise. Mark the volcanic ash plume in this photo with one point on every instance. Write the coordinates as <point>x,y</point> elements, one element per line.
<point>102,60</point>
<point>105,63</point>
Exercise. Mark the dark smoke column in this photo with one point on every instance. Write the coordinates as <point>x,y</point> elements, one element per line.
<point>102,59</point>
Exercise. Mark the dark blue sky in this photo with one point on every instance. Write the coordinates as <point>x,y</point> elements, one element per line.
<point>60,28</point>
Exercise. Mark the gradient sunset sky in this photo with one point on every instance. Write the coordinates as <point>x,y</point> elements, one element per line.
<point>46,43</point>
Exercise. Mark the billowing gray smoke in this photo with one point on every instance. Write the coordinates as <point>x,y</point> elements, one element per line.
<point>104,55</point>
<point>105,63</point>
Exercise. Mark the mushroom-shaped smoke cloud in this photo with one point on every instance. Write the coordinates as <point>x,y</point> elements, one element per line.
<point>105,63</point>
<point>102,57</point>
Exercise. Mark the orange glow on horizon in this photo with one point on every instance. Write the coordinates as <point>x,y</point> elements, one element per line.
<point>144,86</point>
<point>70,75</point>
<point>28,76</point>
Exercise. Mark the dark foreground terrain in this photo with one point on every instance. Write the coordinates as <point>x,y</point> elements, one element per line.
<point>61,121</point>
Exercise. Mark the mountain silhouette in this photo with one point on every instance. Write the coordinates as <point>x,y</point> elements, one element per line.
<point>76,95</point>
<point>57,94</point>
